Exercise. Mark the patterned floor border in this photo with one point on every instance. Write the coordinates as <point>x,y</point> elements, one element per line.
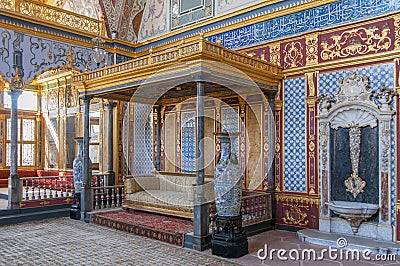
<point>175,238</point>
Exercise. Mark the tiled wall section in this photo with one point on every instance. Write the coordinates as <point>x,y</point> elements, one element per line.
<point>324,16</point>
<point>380,75</point>
<point>294,135</point>
<point>188,142</point>
<point>230,123</point>
<point>143,139</point>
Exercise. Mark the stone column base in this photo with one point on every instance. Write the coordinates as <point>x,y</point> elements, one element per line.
<point>14,192</point>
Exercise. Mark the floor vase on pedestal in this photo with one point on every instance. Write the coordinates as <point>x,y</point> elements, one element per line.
<point>228,238</point>
<point>75,212</point>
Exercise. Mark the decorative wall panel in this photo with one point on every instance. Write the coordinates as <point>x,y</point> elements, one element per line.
<point>38,54</point>
<point>297,211</point>
<point>209,144</point>
<point>183,13</point>
<point>293,54</point>
<point>294,135</point>
<point>324,16</point>
<point>112,10</point>
<point>154,19</point>
<point>312,133</point>
<point>224,6</point>
<point>254,175</point>
<point>364,40</point>
<point>131,18</point>
<point>230,123</point>
<point>170,143</point>
<point>89,8</point>
<point>143,131</point>
<point>188,142</point>
<point>380,75</point>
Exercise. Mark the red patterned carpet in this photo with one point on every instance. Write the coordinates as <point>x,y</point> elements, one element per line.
<point>160,227</point>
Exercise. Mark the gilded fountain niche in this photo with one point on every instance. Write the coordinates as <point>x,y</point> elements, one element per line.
<point>355,144</point>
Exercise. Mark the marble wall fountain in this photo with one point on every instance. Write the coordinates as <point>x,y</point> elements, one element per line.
<point>354,147</point>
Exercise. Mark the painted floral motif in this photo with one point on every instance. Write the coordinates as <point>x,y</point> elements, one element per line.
<point>154,20</point>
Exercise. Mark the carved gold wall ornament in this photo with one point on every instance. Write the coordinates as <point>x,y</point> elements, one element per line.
<point>296,199</point>
<point>293,55</point>
<point>312,49</point>
<point>359,41</point>
<point>275,54</point>
<point>354,184</point>
<point>295,216</point>
<point>396,32</point>
<point>311,84</point>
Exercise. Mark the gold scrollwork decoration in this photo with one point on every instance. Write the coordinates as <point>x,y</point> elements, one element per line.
<point>397,32</point>
<point>354,184</point>
<point>275,54</point>
<point>295,216</point>
<point>312,49</point>
<point>359,41</point>
<point>57,16</point>
<point>291,199</point>
<point>311,85</point>
<point>293,54</point>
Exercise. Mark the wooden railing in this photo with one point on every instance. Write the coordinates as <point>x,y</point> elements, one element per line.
<point>46,190</point>
<point>182,50</point>
<point>53,15</point>
<point>47,187</point>
<point>256,208</point>
<point>105,197</point>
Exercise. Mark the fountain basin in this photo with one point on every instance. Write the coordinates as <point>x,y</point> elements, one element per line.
<point>354,212</point>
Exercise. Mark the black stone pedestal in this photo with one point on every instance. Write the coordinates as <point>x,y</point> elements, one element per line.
<point>228,238</point>
<point>75,211</point>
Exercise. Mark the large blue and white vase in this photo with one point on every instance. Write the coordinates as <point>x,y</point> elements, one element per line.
<point>227,178</point>
<point>77,166</point>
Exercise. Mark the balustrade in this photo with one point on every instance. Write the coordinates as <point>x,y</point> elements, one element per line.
<point>108,197</point>
<point>56,187</point>
<point>255,208</point>
<point>47,187</point>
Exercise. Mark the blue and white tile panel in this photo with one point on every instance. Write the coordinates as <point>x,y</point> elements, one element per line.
<point>321,17</point>
<point>188,138</point>
<point>294,135</point>
<point>230,123</point>
<point>143,132</point>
